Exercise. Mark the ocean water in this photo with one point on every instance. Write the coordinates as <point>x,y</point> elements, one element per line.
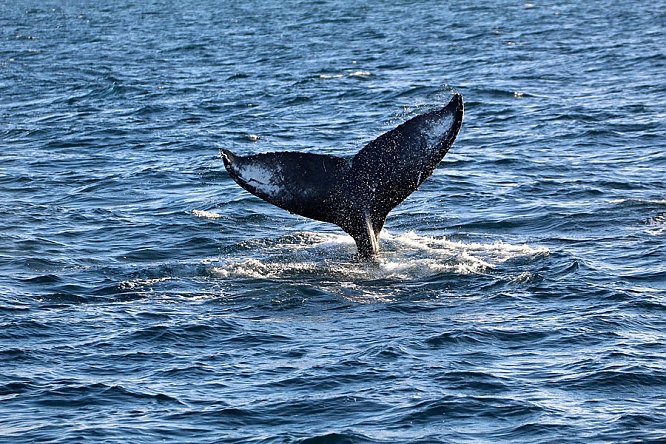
<point>144,297</point>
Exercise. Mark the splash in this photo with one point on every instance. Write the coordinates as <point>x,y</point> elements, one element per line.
<point>404,256</point>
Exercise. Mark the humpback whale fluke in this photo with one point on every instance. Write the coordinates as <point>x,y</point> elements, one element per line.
<point>358,195</point>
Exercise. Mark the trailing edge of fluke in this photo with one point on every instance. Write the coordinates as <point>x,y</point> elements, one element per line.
<point>356,195</point>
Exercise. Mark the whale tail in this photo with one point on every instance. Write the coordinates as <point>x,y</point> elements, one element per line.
<point>358,195</point>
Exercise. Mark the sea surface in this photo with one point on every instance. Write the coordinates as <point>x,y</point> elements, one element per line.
<point>520,295</point>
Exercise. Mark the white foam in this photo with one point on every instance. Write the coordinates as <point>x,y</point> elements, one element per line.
<point>442,244</point>
<point>411,255</point>
<point>404,257</point>
<point>140,283</point>
<point>206,214</point>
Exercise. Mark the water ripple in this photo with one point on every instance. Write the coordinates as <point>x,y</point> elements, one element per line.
<point>145,297</point>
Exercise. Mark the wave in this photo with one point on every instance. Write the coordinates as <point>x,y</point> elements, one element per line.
<point>638,201</point>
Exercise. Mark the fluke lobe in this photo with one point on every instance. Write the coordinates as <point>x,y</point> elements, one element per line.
<point>358,195</point>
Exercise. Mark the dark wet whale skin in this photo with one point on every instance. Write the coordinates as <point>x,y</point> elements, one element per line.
<point>358,195</point>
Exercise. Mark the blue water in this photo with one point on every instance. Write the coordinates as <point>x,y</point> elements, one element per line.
<point>144,296</point>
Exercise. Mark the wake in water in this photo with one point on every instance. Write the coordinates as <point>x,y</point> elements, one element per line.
<point>405,256</point>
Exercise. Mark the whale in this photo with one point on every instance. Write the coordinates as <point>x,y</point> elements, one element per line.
<point>355,194</point>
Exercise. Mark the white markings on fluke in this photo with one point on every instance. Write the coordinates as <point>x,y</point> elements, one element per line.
<point>263,179</point>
